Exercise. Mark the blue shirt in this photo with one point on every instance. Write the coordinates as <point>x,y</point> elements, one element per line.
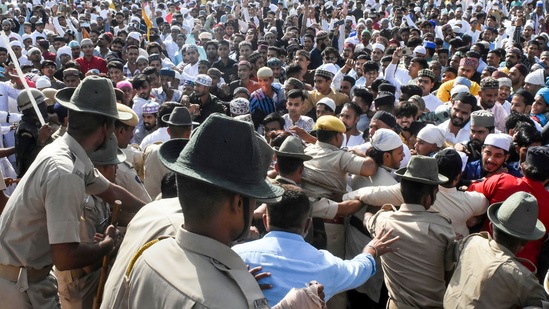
<point>293,263</point>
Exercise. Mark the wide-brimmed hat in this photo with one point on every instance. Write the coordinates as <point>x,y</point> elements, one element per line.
<point>292,148</point>
<point>93,95</point>
<point>109,154</point>
<point>422,169</point>
<point>180,116</point>
<point>242,167</point>
<point>517,216</point>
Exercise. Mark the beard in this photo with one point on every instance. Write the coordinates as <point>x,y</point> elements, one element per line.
<point>456,122</point>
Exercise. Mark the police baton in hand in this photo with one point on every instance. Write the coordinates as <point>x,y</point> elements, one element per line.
<point>105,267</point>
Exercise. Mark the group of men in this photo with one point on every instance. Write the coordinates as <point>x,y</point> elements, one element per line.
<point>384,154</point>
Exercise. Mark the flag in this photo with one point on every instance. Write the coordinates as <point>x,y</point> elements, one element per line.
<point>147,21</point>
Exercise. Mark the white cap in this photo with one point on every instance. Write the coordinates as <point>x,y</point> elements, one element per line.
<point>330,67</point>
<point>328,102</point>
<point>535,78</point>
<point>378,46</point>
<point>135,35</point>
<point>459,89</point>
<point>65,50</point>
<point>386,140</point>
<point>499,140</point>
<point>32,50</point>
<point>432,135</point>
<point>43,82</point>
<point>420,50</point>
<point>16,43</point>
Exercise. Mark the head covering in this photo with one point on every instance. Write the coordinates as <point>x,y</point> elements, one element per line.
<point>499,140</point>
<point>32,50</point>
<point>109,154</point>
<point>134,120</point>
<point>330,123</point>
<point>23,99</point>
<point>264,72</point>
<point>179,117</point>
<point>432,135</point>
<point>522,68</point>
<point>483,119</point>
<point>93,95</point>
<point>123,84</point>
<point>422,169</point>
<point>324,73</point>
<point>292,148</point>
<point>505,82</point>
<point>151,108</point>
<point>384,99</point>
<point>489,83</point>
<point>427,73</point>
<point>239,106</point>
<point>167,72</point>
<point>328,102</point>
<point>203,80</point>
<point>243,167</point>
<point>378,46</point>
<point>43,82</point>
<point>469,62</point>
<point>535,78</point>
<point>460,80</point>
<point>135,35</point>
<point>517,216</point>
<point>420,50</point>
<point>544,92</point>
<point>322,35</point>
<point>86,42</point>
<point>386,117</point>
<point>386,140</point>
<point>459,89</point>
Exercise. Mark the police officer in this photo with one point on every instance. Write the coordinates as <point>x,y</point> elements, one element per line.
<point>30,136</point>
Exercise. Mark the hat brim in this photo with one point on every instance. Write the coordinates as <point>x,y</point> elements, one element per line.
<point>64,95</point>
<point>263,191</point>
<point>537,233</point>
<point>120,157</point>
<point>301,156</point>
<point>402,173</point>
<point>166,119</point>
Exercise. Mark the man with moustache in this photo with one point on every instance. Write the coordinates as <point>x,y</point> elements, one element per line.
<point>406,114</point>
<point>487,97</point>
<point>482,124</point>
<point>148,124</point>
<point>350,115</point>
<point>495,153</point>
<point>142,86</point>
<point>457,128</point>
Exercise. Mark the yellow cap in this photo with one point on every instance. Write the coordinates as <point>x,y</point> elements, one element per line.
<point>132,122</point>
<point>330,123</point>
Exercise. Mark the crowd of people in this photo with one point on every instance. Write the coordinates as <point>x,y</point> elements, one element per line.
<point>287,154</point>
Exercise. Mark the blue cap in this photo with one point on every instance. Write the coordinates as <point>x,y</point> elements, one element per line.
<point>460,80</point>
<point>429,44</point>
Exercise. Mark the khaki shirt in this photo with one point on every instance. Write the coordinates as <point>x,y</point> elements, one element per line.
<point>162,217</point>
<point>326,172</point>
<point>414,274</point>
<point>154,170</point>
<point>127,177</point>
<point>134,155</point>
<point>489,276</point>
<point>339,98</point>
<point>192,271</point>
<point>46,206</point>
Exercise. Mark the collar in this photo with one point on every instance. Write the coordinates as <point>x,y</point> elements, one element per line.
<point>412,208</point>
<point>74,146</point>
<point>209,247</point>
<point>285,235</point>
<point>286,180</point>
<point>326,145</point>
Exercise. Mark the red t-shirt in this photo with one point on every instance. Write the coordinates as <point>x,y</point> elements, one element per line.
<point>94,63</point>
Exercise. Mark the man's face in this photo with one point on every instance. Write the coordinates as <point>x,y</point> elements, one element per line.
<point>528,31</point>
<point>488,97</point>
<point>269,127</point>
<point>87,49</point>
<point>58,44</point>
<point>211,51</point>
<point>493,158</point>
<point>405,121</point>
<point>519,106</point>
<point>539,106</point>
<point>245,51</point>
<point>345,87</point>
<point>35,56</point>
<point>48,70</point>
<point>201,90</point>
<point>322,84</point>
<point>265,83</point>
<point>132,55</point>
<point>358,66</point>
<point>532,51</point>
<point>487,36</point>
<point>414,68</point>
<point>443,58</point>
<point>516,77</point>
<point>533,89</point>
<point>144,91</point>
<point>493,60</point>
<point>425,84</point>
<point>302,61</point>
<point>270,38</point>
<point>503,93</point>
<point>511,59</point>
<point>460,114</point>
<point>322,110</point>
<point>277,71</point>
<point>349,118</point>
<point>71,81</point>
<point>377,124</point>
<point>396,156</point>
<point>124,136</point>
<point>371,76</point>
<point>377,54</point>
<point>149,121</point>
<point>466,71</point>
<point>424,148</point>
<point>478,134</point>
<point>223,51</point>
<point>119,19</point>
<point>294,107</point>
<point>116,74</point>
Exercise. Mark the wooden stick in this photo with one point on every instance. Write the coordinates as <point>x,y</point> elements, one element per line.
<point>105,267</point>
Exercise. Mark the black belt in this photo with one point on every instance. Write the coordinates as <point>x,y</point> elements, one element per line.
<point>359,225</point>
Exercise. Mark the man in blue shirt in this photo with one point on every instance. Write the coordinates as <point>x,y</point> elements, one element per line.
<point>292,262</point>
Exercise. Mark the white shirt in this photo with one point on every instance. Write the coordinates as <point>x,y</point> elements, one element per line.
<point>462,136</point>
<point>160,135</point>
<point>431,102</point>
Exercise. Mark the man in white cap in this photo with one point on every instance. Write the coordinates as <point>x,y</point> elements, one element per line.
<point>268,98</point>
<point>488,274</point>
<point>89,61</point>
<point>387,152</point>
<point>377,52</point>
<point>534,81</point>
<point>504,91</point>
<point>202,102</point>
<point>495,153</point>
<point>430,140</point>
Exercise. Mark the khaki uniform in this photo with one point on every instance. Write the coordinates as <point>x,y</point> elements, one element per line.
<point>154,170</point>
<point>194,272</point>
<point>414,274</point>
<point>77,288</point>
<point>134,155</point>
<point>356,239</point>
<point>44,209</point>
<point>489,276</point>
<point>162,217</point>
<point>127,177</point>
